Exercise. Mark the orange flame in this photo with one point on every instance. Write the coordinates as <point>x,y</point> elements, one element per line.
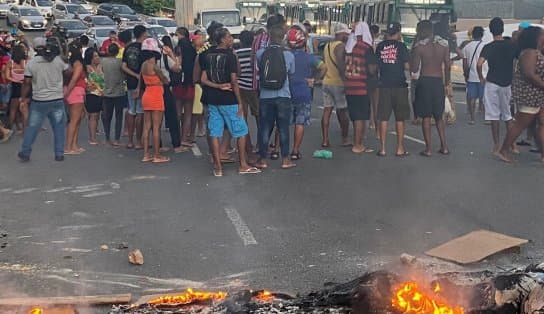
<point>36,310</point>
<point>264,296</point>
<point>188,297</point>
<point>411,300</point>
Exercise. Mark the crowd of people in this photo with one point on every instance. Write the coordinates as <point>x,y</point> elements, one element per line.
<point>207,87</point>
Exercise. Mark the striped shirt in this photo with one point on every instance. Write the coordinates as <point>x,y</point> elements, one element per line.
<point>357,68</point>
<point>260,42</point>
<point>245,79</point>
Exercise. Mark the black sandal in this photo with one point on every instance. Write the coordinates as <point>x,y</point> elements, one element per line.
<point>274,155</point>
<point>295,156</point>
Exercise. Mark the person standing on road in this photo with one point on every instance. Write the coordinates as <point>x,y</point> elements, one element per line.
<point>43,75</point>
<point>132,64</point>
<point>225,108</point>
<point>74,97</point>
<point>95,91</point>
<point>431,58</point>
<point>334,95</point>
<point>13,73</point>
<point>471,54</point>
<point>301,83</point>
<point>527,90</point>
<point>499,55</point>
<point>360,64</point>
<point>275,66</point>
<point>115,96</point>
<point>112,39</point>
<point>394,63</point>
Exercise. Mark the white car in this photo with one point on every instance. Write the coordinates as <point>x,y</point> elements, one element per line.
<point>4,8</point>
<point>165,22</point>
<point>69,11</point>
<point>26,18</point>
<point>83,3</point>
<point>44,6</point>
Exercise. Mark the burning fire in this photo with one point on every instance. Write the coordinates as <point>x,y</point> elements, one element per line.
<point>264,296</point>
<point>411,300</point>
<point>188,297</point>
<point>36,310</point>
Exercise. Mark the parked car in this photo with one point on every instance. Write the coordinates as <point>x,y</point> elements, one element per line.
<point>98,35</point>
<point>165,22</point>
<point>44,6</point>
<point>73,27</point>
<point>83,3</point>
<point>69,11</point>
<point>155,31</point>
<point>26,18</point>
<point>99,20</point>
<point>117,12</point>
<point>4,8</point>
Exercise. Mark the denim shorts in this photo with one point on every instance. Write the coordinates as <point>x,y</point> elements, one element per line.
<point>134,105</point>
<point>221,115</point>
<point>5,93</point>
<point>301,113</point>
<point>475,90</point>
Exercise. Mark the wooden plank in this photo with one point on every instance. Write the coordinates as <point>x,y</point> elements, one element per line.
<point>71,300</point>
<point>475,246</point>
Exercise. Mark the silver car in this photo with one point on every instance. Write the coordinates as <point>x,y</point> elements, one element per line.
<point>4,8</point>
<point>98,35</point>
<point>26,18</point>
<point>69,11</point>
<point>169,24</point>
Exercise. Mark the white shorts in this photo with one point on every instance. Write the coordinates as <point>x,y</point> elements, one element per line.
<point>497,102</point>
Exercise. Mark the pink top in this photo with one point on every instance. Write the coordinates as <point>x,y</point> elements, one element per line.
<point>15,75</point>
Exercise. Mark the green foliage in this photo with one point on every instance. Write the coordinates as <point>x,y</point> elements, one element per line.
<point>151,7</point>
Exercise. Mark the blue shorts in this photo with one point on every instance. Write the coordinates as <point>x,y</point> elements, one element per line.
<point>221,115</point>
<point>301,113</point>
<point>5,93</point>
<point>134,105</point>
<point>475,90</point>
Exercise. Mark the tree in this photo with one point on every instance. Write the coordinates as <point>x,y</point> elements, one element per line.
<point>150,7</point>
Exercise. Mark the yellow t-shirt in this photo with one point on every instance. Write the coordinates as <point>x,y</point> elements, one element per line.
<point>332,77</point>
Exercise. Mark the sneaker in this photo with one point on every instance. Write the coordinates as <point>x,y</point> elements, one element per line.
<point>23,157</point>
<point>59,158</point>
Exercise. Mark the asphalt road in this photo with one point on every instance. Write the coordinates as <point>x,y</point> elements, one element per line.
<point>324,221</point>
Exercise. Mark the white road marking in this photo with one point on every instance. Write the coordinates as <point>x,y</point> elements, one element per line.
<point>96,194</point>
<point>196,150</point>
<point>89,186</point>
<point>5,190</point>
<point>21,191</point>
<point>64,188</point>
<point>86,190</point>
<point>76,250</point>
<point>240,226</point>
<point>413,139</point>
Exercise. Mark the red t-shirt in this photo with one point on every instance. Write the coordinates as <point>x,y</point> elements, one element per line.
<point>357,68</point>
<point>3,62</point>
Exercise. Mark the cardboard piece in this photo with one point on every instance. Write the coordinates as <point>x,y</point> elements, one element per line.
<point>475,246</point>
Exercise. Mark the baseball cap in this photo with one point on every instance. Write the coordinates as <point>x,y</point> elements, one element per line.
<point>150,44</point>
<point>393,28</point>
<point>39,42</point>
<point>341,28</point>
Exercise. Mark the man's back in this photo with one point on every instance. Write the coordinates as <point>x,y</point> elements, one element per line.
<point>430,56</point>
<point>500,55</point>
<point>290,67</point>
<point>113,77</point>
<point>332,77</point>
<point>46,78</point>
<point>471,53</point>
<point>245,79</point>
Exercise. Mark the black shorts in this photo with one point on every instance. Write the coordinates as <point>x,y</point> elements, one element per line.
<point>430,98</point>
<point>358,107</point>
<point>112,101</point>
<point>93,103</point>
<point>16,90</point>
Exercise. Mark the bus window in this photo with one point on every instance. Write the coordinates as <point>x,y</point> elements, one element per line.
<point>363,14</point>
<point>370,19</point>
<point>377,13</point>
<point>390,11</point>
<point>382,13</point>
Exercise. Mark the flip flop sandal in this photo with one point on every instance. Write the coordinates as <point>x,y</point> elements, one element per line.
<point>164,149</point>
<point>445,153</point>
<point>81,150</point>
<point>347,145</point>
<point>274,155</point>
<point>93,143</point>
<point>181,149</point>
<point>217,173</point>
<point>523,143</point>
<point>160,160</point>
<point>288,166</point>
<point>365,151</point>
<point>381,154</point>
<point>325,145</point>
<point>425,154</point>
<point>228,161</point>
<point>130,146</point>
<point>187,144</point>
<point>405,154</point>
<point>252,170</point>
<point>72,153</point>
<point>295,156</point>
<point>147,159</point>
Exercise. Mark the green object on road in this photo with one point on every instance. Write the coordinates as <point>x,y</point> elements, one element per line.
<point>323,154</point>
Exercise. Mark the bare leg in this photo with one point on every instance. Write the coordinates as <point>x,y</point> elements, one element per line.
<point>382,135</point>
<point>186,127</point>
<point>225,144</point>
<point>359,128</point>
<point>13,110</point>
<point>298,136</point>
<point>76,110</point>
<point>148,121</point>
<point>93,126</point>
<point>539,134</point>
<point>325,121</point>
<point>514,147</point>
<point>441,128</point>
<point>156,117</point>
<point>139,126</point>
<point>471,108</point>
<point>242,142</point>
<point>495,132</point>
<point>216,154</point>
<point>522,121</point>
<point>426,128</point>
<point>131,124</point>
<point>399,125</point>
<point>375,97</point>
<point>343,120</point>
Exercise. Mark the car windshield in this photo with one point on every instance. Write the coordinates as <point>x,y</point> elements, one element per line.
<point>157,32</point>
<point>44,3</point>
<point>167,23</point>
<point>79,1</point>
<point>75,24</point>
<point>227,18</point>
<point>76,9</point>
<point>103,32</point>
<point>122,10</point>
<point>4,6</point>
<point>29,12</point>
<point>102,20</point>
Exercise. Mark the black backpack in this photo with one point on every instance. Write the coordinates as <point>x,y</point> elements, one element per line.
<point>272,69</point>
<point>216,69</point>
